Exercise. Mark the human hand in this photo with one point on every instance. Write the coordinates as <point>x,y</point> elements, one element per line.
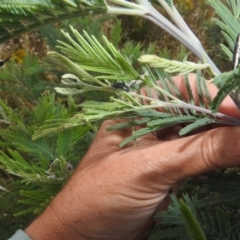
<point>114,192</point>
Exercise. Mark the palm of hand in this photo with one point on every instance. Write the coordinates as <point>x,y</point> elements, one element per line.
<point>132,183</point>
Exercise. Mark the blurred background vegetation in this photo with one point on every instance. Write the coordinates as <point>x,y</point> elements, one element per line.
<point>27,80</point>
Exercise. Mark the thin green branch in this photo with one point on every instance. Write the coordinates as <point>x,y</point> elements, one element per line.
<point>153,15</point>
<point>61,17</point>
<point>156,103</point>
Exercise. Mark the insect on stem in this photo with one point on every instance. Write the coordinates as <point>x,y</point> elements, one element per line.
<point>125,87</point>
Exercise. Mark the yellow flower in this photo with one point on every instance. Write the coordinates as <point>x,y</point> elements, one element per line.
<point>18,55</point>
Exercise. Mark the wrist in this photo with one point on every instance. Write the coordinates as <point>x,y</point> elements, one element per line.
<point>52,225</point>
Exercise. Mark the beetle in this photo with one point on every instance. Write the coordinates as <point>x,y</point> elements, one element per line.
<point>124,86</point>
<point>121,86</point>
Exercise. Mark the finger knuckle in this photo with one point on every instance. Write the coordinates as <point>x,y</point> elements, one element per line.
<point>214,152</point>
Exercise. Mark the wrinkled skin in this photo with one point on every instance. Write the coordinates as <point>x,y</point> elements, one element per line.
<point>115,192</point>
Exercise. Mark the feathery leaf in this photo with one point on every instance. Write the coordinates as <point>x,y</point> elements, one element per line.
<point>137,134</point>
<point>166,122</point>
<point>172,66</point>
<point>124,125</point>
<point>198,123</point>
<point>228,83</point>
<point>20,16</point>
<point>92,56</point>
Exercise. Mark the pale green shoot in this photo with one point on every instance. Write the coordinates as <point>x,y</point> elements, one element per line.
<point>172,66</point>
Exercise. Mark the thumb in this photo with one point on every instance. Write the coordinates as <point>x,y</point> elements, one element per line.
<point>207,151</point>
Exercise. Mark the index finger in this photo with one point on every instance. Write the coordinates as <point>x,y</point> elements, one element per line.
<point>227,107</point>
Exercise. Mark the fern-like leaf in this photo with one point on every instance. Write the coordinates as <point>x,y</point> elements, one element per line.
<point>169,2</point>
<point>92,56</point>
<point>124,125</point>
<point>198,123</point>
<point>137,134</point>
<point>20,16</point>
<point>151,113</point>
<point>229,22</point>
<point>166,122</point>
<point>228,83</point>
<point>172,66</point>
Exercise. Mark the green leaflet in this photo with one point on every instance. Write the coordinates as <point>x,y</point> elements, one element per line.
<point>166,122</point>
<point>3,189</point>
<point>150,79</point>
<point>137,134</point>
<point>189,90</point>
<point>4,112</point>
<point>206,97</point>
<point>20,16</point>
<point>86,53</point>
<point>226,82</point>
<point>229,22</point>
<point>167,82</point>
<point>221,80</point>
<point>58,125</point>
<point>52,117</point>
<point>214,221</point>
<point>193,227</point>
<point>169,2</point>
<point>201,94</point>
<point>121,60</point>
<point>73,67</point>
<point>172,221</point>
<point>152,113</point>
<point>106,106</point>
<point>235,6</point>
<point>172,66</point>
<point>15,164</point>
<point>198,123</point>
<point>224,188</point>
<point>227,52</point>
<point>68,91</point>
<point>128,124</point>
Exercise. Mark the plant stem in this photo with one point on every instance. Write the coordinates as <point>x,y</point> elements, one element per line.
<point>184,34</point>
<point>155,103</point>
<point>178,20</point>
